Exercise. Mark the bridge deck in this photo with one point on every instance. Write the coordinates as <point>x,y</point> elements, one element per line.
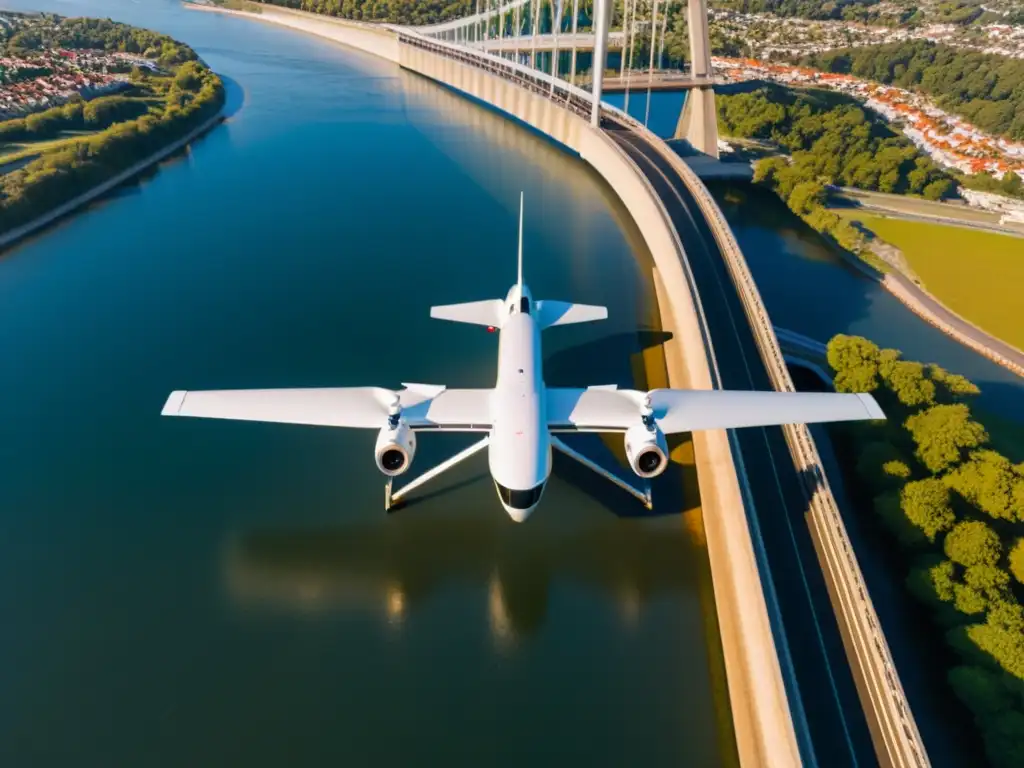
<point>837,728</point>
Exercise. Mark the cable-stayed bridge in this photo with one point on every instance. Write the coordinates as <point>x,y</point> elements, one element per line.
<point>810,676</point>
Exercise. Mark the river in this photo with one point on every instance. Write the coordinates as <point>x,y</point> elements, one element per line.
<point>201,592</point>
<point>191,592</point>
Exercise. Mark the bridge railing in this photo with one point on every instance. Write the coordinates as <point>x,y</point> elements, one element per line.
<point>894,730</point>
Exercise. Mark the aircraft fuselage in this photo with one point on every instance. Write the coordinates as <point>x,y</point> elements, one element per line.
<point>519,453</point>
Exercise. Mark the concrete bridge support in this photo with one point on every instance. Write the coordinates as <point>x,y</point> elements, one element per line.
<point>698,121</point>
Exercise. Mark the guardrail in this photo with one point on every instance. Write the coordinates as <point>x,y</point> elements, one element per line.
<point>897,739</point>
<point>895,734</point>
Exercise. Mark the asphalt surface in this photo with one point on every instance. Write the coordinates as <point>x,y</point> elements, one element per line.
<point>827,714</point>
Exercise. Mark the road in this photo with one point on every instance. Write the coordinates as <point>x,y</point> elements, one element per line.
<point>827,713</point>
<point>927,211</point>
<point>932,309</point>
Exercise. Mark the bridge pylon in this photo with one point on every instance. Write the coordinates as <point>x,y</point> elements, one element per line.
<point>602,13</point>
<point>698,120</point>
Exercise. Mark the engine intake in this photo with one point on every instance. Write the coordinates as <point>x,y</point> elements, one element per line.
<point>395,449</point>
<point>646,450</point>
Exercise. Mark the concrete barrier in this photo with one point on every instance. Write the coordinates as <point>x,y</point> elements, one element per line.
<point>894,732</point>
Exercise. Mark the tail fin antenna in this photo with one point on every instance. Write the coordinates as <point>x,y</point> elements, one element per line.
<point>519,280</point>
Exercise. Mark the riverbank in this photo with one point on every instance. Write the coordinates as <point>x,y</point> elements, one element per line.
<point>848,201</point>
<point>932,310</point>
<point>371,38</point>
<point>12,236</point>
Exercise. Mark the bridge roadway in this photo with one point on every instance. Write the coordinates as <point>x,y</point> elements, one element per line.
<point>820,687</point>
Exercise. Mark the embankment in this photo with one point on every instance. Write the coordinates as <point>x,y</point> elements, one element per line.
<point>13,235</point>
<point>928,307</point>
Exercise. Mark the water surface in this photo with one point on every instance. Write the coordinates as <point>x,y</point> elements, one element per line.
<point>190,592</point>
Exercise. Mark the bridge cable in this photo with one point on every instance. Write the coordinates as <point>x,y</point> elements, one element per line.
<point>519,30</point>
<point>575,22</point>
<point>536,29</point>
<point>631,40</point>
<point>556,27</point>
<point>650,70</point>
<point>664,28</point>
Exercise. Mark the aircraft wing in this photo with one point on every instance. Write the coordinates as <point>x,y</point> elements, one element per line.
<point>423,406</point>
<point>680,410</point>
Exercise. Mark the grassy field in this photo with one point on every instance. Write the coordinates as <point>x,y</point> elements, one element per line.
<point>16,150</point>
<point>976,274</point>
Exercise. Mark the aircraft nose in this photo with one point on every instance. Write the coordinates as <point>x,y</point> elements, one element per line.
<point>519,515</point>
<point>519,504</point>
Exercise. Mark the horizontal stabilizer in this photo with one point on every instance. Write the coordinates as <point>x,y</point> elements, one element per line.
<point>487,312</point>
<point>551,313</point>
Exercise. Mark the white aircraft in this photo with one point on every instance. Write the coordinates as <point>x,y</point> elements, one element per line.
<point>520,416</point>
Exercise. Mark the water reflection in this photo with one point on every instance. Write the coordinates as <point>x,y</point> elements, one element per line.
<point>395,566</point>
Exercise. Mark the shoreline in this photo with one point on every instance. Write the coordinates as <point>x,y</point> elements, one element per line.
<point>917,300</point>
<point>12,236</point>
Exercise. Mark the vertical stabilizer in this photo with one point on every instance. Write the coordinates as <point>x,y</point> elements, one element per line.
<point>519,279</point>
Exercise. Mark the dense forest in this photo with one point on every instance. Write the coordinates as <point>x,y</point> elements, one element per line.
<point>831,141</point>
<point>393,11</point>
<point>955,507</point>
<point>987,89</point>
<point>804,9</point>
<point>156,109</point>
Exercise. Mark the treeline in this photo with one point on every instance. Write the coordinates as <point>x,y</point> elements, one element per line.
<point>392,11</point>
<point>985,88</point>
<point>956,509</point>
<point>832,141</point>
<point>804,9</point>
<point>1010,184</point>
<point>75,115</point>
<point>194,95</point>
<point>49,31</point>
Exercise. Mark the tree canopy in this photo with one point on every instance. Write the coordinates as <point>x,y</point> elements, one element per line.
<point>954,506</point>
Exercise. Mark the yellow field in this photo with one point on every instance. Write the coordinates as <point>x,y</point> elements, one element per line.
<point>976,274</point>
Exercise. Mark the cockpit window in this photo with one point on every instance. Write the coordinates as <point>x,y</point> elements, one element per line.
<point>520,499</point>
<point>524,305</point>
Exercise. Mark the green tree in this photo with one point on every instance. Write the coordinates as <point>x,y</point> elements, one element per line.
<point>806,196</point>
<point>972,542</point>
<point>932,580</point>
<point>943,433</point>
<point>1017,560</point>
<point>991,483</point>
<point>927,507</point>
<point>951,386</point>
<point>939,189</point>
<point>855,362</point>
<point>908,382</point>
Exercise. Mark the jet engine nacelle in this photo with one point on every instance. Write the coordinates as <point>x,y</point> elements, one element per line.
<point>646,450</point>
<point>395,449</point>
